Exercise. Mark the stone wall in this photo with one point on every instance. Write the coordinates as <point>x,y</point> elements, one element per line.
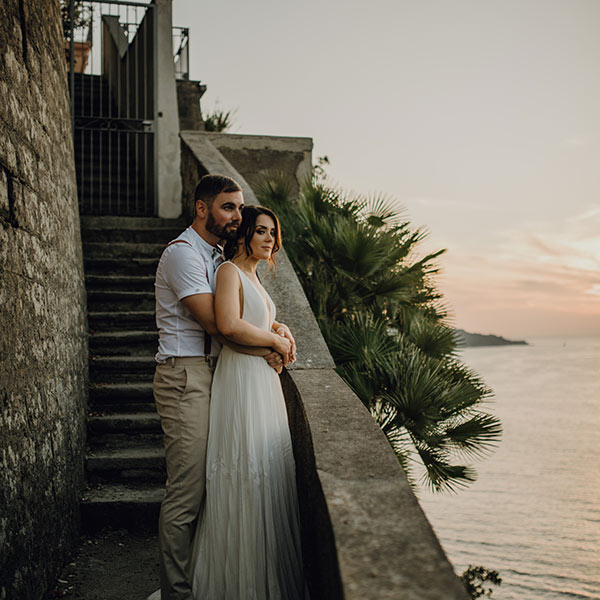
<point>43,343</point>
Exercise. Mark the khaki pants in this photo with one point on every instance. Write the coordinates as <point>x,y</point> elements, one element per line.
<point>182,395</point>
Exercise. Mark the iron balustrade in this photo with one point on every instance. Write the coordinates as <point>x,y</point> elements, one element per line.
<point>112,56</point>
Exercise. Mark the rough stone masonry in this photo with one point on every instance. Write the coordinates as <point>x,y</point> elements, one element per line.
<point>43,341</point>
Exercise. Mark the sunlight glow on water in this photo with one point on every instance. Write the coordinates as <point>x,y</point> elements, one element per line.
<point>534,512</point>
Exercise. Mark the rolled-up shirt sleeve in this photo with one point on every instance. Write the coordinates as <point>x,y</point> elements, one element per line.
<point>186,272</point>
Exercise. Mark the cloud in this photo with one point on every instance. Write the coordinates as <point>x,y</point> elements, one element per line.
<point>576,140</point>
<point>588,214</point>
<point>594,290</point>
<point>542,281</point>
<point>432,202</point>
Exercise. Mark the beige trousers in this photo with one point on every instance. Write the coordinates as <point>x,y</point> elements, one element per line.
<point>182,395</point>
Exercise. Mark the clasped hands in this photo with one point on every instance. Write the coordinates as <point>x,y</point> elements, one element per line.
<point>284,348</point>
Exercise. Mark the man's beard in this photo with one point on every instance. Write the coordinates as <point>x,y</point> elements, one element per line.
<point>221,231</point>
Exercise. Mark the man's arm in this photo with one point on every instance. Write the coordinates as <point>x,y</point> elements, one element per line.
<point>202,307</point>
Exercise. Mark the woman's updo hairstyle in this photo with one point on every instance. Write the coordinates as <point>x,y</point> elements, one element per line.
<point>246,230</point>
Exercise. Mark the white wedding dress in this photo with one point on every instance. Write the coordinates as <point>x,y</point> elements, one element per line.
<point>247,544</point>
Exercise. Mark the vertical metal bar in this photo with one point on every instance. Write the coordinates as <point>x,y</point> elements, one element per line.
<point>145,115</point>
<point>155,107</point>
<point>72,65</point>
<point>119,134</point>
<point>136,41</point>
<point>128,102</point>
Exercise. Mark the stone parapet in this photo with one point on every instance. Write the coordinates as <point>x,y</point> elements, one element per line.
<point>364,535</point>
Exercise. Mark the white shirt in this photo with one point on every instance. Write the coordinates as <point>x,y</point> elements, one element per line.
<point>183,270</point>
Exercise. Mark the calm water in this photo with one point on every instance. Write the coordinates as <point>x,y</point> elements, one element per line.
<point>534,512</point>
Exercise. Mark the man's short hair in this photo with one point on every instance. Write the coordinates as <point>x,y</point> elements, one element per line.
<point>210,186</point>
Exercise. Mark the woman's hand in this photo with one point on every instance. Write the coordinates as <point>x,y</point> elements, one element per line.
<point>284,331</point>
<point>282,345</point>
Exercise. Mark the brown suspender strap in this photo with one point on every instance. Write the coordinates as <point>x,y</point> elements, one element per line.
<point>207,340</point>
<point>178,242</point>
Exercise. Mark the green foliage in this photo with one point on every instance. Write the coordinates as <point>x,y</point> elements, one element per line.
<point>81,16</point>
<point>218,120</point>
<point>380,313</point>
<point>474,579</point>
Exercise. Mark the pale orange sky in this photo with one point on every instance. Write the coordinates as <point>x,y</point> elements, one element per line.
<point>481,118</point>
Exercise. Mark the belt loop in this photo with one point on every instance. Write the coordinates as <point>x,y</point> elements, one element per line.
<point>172,362</point>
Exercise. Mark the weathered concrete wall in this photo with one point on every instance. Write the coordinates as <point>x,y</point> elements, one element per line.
<point>252,155</point>
<point>188,102</point>
<point>167,146</point>
<point>43,347</point>
<point>364,535</point>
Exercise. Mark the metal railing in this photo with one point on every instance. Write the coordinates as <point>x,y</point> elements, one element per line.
<point>112,81</point>
<point>181,52</point>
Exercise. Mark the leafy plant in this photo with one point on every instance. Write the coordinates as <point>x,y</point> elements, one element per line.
<point>81,17</point>
<point>218,120</point>
<point>475,578</point>
<point>376,303</point>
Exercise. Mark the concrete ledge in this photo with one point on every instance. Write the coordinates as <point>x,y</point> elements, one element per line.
<point>364,535</point>
<point>384,545</point>
<point>251,155</point>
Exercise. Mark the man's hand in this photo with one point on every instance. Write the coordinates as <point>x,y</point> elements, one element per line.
<point>284,331</point>
<point>274,360</point>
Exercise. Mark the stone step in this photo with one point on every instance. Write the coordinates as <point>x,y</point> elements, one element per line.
<point>113,223</point>
<point>117,301</point>
<point>161,235</point>
<point>100,442</point>
<point>132,423</point>
<point>130,506</point>
<point>140,320</point>
<point>124,283</point>
<point>125,369</point>
<point>110,398</point>
<point>120,266</point>
<point>126,464</point>
<point>123,343</point>
<point>122,250</point>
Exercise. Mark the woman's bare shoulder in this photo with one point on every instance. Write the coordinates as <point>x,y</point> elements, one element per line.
<point>227,271</point>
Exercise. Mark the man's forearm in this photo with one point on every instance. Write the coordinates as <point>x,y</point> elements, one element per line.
<point>251,350</point>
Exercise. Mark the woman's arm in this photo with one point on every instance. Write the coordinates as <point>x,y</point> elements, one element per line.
<point>230,323</point>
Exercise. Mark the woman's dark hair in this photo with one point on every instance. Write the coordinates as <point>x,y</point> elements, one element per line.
<point>246,230</point>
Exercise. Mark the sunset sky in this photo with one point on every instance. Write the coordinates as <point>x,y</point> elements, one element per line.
<point>480,117</point>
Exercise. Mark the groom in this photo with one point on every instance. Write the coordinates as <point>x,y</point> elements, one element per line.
<point>188,347</point>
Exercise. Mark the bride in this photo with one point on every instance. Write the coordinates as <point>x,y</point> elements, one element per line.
<point>247,543</point>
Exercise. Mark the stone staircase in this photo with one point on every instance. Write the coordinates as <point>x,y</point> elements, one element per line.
<point>125,460</point>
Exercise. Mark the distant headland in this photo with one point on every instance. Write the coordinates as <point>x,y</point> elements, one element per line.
<point>468,340</point>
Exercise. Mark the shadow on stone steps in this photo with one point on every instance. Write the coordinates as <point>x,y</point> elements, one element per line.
<point>111,565</point>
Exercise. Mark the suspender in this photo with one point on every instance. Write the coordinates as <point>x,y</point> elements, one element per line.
<point>207,339</point>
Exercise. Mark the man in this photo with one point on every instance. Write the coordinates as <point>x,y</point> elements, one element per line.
<point>187,351</point>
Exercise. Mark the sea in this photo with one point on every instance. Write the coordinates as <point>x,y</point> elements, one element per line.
<point>533,514</point>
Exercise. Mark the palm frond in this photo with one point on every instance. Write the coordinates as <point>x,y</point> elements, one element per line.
<point>380,212</point>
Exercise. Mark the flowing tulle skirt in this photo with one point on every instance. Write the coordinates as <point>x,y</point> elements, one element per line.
<point>247,544</point>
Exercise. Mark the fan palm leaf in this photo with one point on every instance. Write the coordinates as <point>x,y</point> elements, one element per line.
<point>381,314</point>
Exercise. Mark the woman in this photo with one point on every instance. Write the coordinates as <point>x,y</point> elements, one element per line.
<point>248,541</point>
